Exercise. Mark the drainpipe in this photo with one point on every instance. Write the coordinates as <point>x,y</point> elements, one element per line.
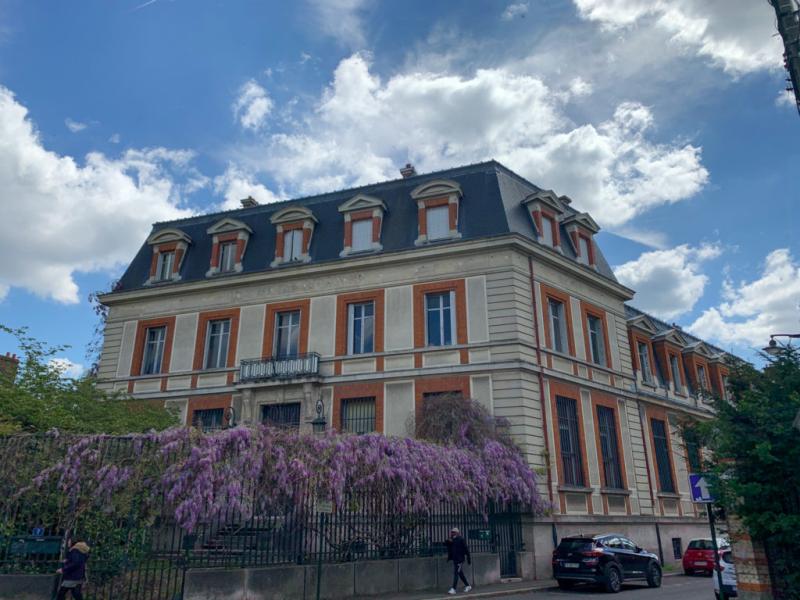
<point>541,385</point>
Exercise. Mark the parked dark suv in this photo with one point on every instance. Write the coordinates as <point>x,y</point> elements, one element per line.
<point>605,559</point>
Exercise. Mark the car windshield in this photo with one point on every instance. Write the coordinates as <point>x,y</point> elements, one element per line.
<point>701,545</point>
<point>575,545</point>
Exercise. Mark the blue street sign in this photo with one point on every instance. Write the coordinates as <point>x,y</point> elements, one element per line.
<point>701,488</point>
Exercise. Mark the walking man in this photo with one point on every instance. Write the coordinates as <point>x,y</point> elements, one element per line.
<point>458,551</point>
<point>73,573</point>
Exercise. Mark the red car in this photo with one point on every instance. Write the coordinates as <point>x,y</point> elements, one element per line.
<point>699,556</point>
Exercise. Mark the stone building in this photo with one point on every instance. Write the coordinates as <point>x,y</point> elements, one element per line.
<point>349,309</point>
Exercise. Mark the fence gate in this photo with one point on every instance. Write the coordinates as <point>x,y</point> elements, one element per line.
<point>506,530</point>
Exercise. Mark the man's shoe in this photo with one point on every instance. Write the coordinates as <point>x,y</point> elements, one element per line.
<point>452,591</point>
<point>468,588</point>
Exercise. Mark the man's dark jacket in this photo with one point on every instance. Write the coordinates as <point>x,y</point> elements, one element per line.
<point>457,550</point>
<point>74,568</point>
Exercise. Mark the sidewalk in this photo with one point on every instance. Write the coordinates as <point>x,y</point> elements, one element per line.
<point>484,591</point>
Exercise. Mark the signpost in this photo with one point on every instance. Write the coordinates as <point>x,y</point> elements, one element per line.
<point>702,494</point>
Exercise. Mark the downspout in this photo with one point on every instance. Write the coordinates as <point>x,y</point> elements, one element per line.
<point>646,460</point>
<point>541,383</point>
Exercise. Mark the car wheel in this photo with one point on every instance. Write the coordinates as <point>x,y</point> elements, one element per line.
<point>565,584</point>
<point>613,580</point>
<point>654,575</point>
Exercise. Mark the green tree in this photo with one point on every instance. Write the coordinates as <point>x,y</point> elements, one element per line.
<point>755,442</point>
<point>39,397</point>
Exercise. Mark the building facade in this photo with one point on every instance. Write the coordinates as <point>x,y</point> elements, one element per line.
<point>349,309</point>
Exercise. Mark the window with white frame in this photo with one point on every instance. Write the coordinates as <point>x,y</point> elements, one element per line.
<point>287,334</point>
<point>438,222</point>
<point>227,257</point>
<point>547,231</point>
<point>676,373</point>
<point>362,235</point>
<point>155,338</point>
<point>583,250</point>
<point>164,267</point>
<point>701,376</point>
<point>292,245</point>
<point>361,330</point>
<point>440,318</point>
<point>217,339</point>
<point>644,361</point>
<point>596,339</point>
<point>558,325</point>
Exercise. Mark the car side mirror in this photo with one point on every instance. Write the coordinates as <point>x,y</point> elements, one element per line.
<point>639,549</point>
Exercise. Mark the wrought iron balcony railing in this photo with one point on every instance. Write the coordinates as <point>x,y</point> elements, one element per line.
<point>261,369</point>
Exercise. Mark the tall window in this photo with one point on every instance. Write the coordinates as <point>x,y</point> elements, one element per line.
<point>292,244</point>
<point>676,373</point>
<point>154,341</point>
<point>438,222</point>
<point>227,257</point>
<point>362,235</point>
<point>358,415</point>
<point>583,245</point>
<point>439,318</point>
<point>701,376</point>
<point>166,261</point>
<point>281,415</point>
<point>558,325</point>
<point>547,231</point>
<point>217,338</point>
<point>208,419</point>
<point>693,450</point>
<point>287,334</point>
<point>608,446</point>
<point>361,332</point>
<point>725,393</point>
<point>597,345</point>
<point>644,361</point>
<point>570,441</point>
<point>663,461</point>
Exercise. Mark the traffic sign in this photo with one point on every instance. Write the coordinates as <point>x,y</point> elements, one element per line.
<point>700,486</point>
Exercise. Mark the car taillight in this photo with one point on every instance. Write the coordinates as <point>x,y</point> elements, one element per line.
<point>592,557</point>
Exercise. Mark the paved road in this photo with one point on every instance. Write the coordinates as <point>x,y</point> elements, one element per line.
<point>678,587</point>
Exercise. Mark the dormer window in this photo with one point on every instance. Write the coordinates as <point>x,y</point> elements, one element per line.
<point>363,221</point>
<point>169,249</point>
<point>438,203</point>
<point>583,250</point>
<point>581,229</point>
<point>545,210</point>
<point>548,227</point>
<point>229,239</point>
<point>294,229</point>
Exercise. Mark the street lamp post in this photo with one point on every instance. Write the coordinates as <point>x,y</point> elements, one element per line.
<point>773,348</point>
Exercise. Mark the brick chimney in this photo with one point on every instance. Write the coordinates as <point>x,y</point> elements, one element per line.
<point>249,202</point>
<point>408,171</point>
<point>8,365</point>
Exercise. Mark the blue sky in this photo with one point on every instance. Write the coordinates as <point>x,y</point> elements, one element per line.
<point>663,118</point>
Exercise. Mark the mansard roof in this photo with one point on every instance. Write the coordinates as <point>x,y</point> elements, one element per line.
<point>491,205</point>
<point>660,330</point>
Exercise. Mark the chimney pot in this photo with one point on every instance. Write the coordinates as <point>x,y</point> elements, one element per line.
<point>408,171</point>
<point>249,202</point>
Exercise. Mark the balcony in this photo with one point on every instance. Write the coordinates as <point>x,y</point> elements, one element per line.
<point>265,369</point>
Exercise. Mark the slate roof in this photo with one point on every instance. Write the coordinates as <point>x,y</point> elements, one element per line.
<point>632,313</point>
<point>490,207</point>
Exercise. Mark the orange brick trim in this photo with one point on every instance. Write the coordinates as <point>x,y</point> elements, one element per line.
<point>589,309</point>
<point>659,414</point>
<point>138,346</point>
<point>224,238</point>
<point>693,362</point>
<point>202,332</point>
<point>422,213</point>
<point>204,403</point>
<point>362,215</point>
<point>576,239</point>
<point>544,217</point>
<point>284,227</point>
<point>548,293</point>
<point>601,399</point>
<point>635,339</point>
<point>439,385</point>
<point>342,302</point>
<point>455,285</point>
<point>344,391</point>
<point>162,248</point>
<point>268,344</point>
<point>566,390</point>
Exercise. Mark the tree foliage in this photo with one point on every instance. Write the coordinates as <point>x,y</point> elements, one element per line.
<point>39,397</point>
<point>452,420</point>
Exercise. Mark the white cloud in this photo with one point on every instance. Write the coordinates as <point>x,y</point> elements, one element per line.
<point>60,217</point>
<point>74,126</point>
<point>115,138</point>
<point>66,367</point>
<point>341,19</point>
<point>737,35</point>
<point>668,283</point>
<point>364,127</point>
<point>253,105</point>
<point>752,310</point>
<point>786,99</point>
<point>235,185</point>
<point>517,9</point>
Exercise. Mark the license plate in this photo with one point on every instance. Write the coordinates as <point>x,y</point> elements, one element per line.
<point>571,565</point>
<point>700,563</point>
